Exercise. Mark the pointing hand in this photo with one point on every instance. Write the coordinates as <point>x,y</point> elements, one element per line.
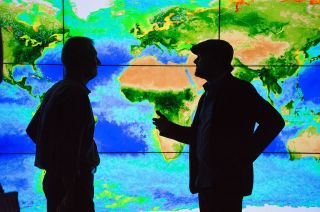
<point>162,124</point>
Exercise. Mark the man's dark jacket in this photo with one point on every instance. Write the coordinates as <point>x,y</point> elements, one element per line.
<point>63,129</point>
<point>232,144</point>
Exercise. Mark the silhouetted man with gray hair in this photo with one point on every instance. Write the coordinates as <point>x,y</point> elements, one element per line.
<point>223,140</point>
<point>63,129</point>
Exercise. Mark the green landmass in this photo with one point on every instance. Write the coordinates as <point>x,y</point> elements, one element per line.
<point>170,103</point>
<point>289,105</point>
<point>21,83</point>
<point>265,18</point>
<point>243,72</point>
<point>282,21</point>
<point>269,75</point>
<point>250,21</point>
<point>24,42</point>
<point>25,35</point>
<point>187,27</point>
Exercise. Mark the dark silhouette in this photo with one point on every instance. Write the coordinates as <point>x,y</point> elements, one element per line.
<point>62,130</point>
<point>222,139</point>
<point>9,201</point>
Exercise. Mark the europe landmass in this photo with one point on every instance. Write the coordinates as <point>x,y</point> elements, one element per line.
<point>263,34</point>
<point>28,29</point>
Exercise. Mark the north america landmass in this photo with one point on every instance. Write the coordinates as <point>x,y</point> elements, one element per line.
<point>28,30</point>
<point>268,45</point>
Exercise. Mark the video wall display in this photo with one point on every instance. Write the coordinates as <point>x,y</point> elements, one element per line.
<point>144,47</point>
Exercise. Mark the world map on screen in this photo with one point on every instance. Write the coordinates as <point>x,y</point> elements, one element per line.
<point>144,47</point>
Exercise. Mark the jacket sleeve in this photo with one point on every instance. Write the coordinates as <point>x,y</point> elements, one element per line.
<point>181,133</point>
<point>184,134</point>
<point>270,124</point>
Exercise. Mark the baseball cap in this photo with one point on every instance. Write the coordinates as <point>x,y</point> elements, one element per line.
<point>215,48</point>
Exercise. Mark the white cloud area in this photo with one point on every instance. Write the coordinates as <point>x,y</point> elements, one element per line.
<point>83,8</point>
<point>212,2</point>
<point>270,208</point>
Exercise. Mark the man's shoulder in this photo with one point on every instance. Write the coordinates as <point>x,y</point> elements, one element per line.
<point>69,87</point>
<point>66,90</point>
<point>240,85</point>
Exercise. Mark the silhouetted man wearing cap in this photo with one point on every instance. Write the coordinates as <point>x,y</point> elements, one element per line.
<point>223,140</point>
<point>63,129</point>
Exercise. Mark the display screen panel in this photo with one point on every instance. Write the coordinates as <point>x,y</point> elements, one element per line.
<point>146,66</point>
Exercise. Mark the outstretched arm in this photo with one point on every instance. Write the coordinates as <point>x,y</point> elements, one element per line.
<point>270,125</point>
<point>171,130</point>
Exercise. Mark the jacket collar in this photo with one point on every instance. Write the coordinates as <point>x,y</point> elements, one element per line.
<point>217,82</point>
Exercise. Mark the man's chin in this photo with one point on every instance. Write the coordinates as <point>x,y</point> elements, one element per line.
<point>197,74</point>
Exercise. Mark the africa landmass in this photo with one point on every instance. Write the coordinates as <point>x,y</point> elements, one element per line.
<point>170,91</point>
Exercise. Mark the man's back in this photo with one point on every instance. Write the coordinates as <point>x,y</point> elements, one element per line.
<point>231,147</point>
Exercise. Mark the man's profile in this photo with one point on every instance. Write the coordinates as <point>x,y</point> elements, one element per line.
<point>63,129</point>
<point>223,140</point>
